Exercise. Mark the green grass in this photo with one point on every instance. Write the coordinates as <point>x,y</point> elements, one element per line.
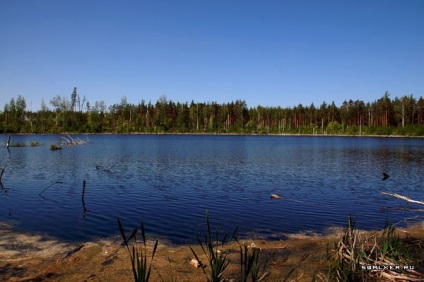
<point>391,246</point>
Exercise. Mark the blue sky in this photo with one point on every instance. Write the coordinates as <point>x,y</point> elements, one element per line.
<point>269,53</point>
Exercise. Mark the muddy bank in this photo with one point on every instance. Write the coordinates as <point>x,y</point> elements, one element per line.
<point>32,257</point>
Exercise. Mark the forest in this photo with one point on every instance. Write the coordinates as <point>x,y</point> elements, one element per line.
<point>386,116</point>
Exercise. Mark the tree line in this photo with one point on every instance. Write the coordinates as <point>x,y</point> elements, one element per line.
<point>385,116</point>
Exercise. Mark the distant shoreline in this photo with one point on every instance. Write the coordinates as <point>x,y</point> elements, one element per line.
<point>216,134</point>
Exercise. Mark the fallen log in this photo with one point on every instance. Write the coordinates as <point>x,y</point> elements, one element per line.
<point>403,198</point>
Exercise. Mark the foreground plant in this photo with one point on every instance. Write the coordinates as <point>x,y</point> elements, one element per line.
<point>355,254</point>
<point>348,253</point>
<point>250,265</point>
<point>141,270</point>
<point>391,245</point>
<point>217,261</point>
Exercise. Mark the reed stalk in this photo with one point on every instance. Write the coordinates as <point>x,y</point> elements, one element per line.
<point>250,265</point>
<point>138,256</point>
<point>217,260</point>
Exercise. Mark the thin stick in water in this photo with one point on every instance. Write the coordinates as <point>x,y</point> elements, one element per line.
<point>60,182</point>
<point>85,210</point>
<point>1,173</point>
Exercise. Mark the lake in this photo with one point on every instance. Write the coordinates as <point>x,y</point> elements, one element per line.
<point>169,181</point>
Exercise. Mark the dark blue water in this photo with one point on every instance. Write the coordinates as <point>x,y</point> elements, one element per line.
<point>168,182</point>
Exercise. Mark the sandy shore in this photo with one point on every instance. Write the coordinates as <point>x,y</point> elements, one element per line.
<point>32,257</point>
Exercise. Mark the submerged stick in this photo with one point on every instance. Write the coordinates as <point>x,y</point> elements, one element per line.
<point>83,190</point>
<point>60,182</point>
<point>403,198</point>
<point>1,173</point>
<point>85,210</point>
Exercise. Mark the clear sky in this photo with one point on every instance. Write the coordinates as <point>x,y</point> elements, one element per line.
<point>269,53</point>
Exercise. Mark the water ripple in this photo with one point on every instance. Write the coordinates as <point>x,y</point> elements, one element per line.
<point>168,183</point>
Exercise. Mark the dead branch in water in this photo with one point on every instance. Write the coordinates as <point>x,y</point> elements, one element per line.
<point>403,198</point>
<point>68,140</point>
<point>1,183</point>
<point>85,210</point>
<point>1,173</point>
<point>57,182</point>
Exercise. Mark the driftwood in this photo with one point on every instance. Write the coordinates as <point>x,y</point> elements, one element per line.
<point>367,250</point>
<point>403,198</point>
<point>394,276</point>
